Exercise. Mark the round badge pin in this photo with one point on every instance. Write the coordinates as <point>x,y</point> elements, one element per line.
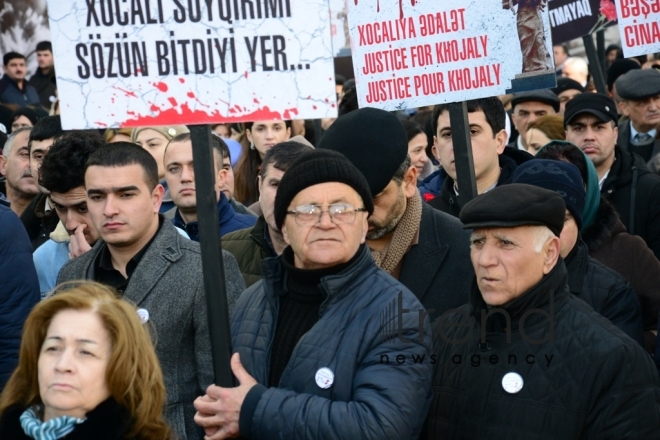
<point>324,378</point>
<point>143,314</point>
<point>512,383</point>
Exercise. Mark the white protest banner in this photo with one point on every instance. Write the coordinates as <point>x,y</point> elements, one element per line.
<point>415,53</point>
<point>639,26</point>
<point>165,62</point>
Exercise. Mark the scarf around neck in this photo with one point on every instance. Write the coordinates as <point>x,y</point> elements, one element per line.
<point>51,430</point>
<point>389,258</point>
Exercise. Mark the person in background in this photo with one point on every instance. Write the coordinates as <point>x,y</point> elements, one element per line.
<point>19,290</point>
<point>117,135</point>
<point>43,79</point>
<point>251,246</point>
<point>261,136</point>
<point>560,52</point>
<point>417,149</point>
<point>618,68</point>
<point>577,69</point>
<point>611,54</point>
<point>528,107</point>
<point>154,140</point>
<point>566,90</point>
<point>222,130</point>
<point>14,89</point>
<point>227,181</point>
<point>545,129</point>
<point>87,370</point>
<point>23,117</point>
<point>15,166</point>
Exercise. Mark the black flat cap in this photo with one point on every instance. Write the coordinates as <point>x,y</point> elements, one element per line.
<point>373,140</point>
<point>564,84</point>
<point>516,204</point>
<point>544,95</point>
<point>618,68</point>
<point>600,106</point>
<point>638,84</point>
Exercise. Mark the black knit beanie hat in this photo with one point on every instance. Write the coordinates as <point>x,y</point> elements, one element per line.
<point>314,167</point>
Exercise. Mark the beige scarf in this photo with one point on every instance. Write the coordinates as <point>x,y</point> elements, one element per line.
<point>388,259</point>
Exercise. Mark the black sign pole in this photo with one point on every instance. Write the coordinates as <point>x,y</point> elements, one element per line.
<point>212,267</point>
<point>462,142</point>
<point>600,48</point>
<point>594,64</point>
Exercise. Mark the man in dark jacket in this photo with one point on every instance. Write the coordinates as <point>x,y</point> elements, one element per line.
<point>314,337</point>
<point>15,166</point>
<point>639,91</point>
<point>43,79</point>
<point>14,89</point>
<point>494,164</point>
<point>526,359</point>
<point>144,257</point>
<point>180,178</point>
<point>624,179</point>
<point>423,248</point>
<point>250,246</point>
<point>19,287</point>
<point>599,286</point>
<point>526,108</point>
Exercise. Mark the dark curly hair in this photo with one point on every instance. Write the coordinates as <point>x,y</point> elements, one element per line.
<point>63,167</point>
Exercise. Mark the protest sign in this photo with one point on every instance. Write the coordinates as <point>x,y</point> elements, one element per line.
<point>639,26</point>
<point>164,62</point>
<point>417,53</point>
<point>341,40</point>
<point>571,19</point>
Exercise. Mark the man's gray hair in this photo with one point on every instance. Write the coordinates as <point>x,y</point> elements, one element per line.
<point>9,145</point>
<point>541,235</point>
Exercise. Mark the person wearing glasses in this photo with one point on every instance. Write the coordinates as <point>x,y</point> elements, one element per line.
<point>327,345</point>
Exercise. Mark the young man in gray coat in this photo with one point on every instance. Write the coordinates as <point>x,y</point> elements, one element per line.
<point>331,346</point>
<point>142,255</point>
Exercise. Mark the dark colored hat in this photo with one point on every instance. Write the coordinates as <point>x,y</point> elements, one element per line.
<point>638,84</point>
<point>516,204</point>
<point>600,106</point>
<point>544,95</point>
<point>314,167</point>
<point>373,140</point>
<point>562,177</point>
<point>564,84</point>
<point>618,68</point>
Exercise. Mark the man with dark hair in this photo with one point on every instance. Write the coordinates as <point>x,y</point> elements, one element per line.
<point>423,248</point>
<point>494,163</point>
<point>566,90</point>
<point>227,183</point>
<point>560,52</point>
<point>313,336</point>
<point>250,246</point>
<point>13,87</point>
<point>180,178</point>
<point>624,179</point>
<point>63,174</point>
<point>38,218</point>
<point>526,108</point>
<point>43,79</point>
<point>15,166</point>
<point>526,358</point>
<point>142,255</point>
<point>639,91</point>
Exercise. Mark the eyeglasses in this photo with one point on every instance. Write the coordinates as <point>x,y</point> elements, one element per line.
<point>339,214</point>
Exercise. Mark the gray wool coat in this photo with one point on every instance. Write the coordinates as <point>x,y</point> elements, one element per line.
<point>168,284</point>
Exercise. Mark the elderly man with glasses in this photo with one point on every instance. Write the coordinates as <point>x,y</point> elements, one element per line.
<point>330,345</point>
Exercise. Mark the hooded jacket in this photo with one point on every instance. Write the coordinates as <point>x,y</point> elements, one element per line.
<point>448,201</point>
<point>629,256</point>
<point>582,378</point>
<point>635,194</point>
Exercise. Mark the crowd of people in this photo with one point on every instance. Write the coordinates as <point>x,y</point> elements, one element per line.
<point>410,310</point>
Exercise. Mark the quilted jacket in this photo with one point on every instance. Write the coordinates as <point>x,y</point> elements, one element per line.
<point>582,377</point>
<point>607,292</point>
<point>249,248</point>
<point>372,395</point>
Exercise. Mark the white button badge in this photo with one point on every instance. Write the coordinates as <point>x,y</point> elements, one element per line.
<point>324,378</point>
<point>512,383</point>
<point>143,314</point>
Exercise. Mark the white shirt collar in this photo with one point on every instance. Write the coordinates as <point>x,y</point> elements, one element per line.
<point>601,181</point>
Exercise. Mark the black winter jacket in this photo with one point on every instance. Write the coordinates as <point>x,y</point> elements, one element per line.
<point>582,377</point>
<point>607,292</point>
<point>447,201</point>
<point>372,394</point>
<point>249,247</point>
<point>108,421</point>
<point>635,193</point>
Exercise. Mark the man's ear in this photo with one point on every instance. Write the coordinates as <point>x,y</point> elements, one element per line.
<point>3,165</point>
<point>259,183</point>
<point>410,182</point>
<point>365,227</point>
<point>157,197</point>
<point>551,252</point>
<point>623,105</point>
<point>500,139</point>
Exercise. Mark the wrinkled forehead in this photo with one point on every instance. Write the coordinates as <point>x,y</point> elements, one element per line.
<point>519,233</point>
<point>327,193</point>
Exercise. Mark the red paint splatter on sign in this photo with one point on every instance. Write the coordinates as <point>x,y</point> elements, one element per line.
<point>153,108</point>
<point>181,80</point>
<point>161,86</point>
<point>102,124</point>
<point>246,74</point>
<point>172,101</point>
<point>126,92</point>
<point>187,116</point>
<point>191,95</point>
<point>256,101</point>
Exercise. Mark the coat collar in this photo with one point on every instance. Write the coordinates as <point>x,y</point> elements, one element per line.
<point>576,265</point>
